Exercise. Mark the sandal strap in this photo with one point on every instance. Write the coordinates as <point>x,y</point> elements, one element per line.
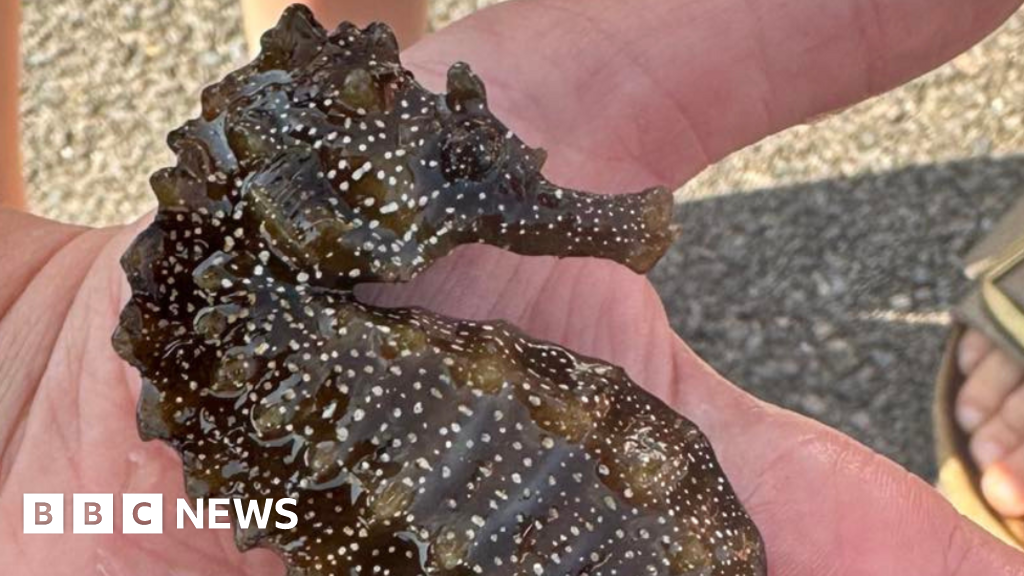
<point>996,305</point>
<point>1000,305</point>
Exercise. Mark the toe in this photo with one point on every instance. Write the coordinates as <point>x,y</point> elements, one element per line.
<point>973,346</point>
<point>992,441</point>
<point>1003,487</point>
<point>999,442</point>
<point>995,376</point>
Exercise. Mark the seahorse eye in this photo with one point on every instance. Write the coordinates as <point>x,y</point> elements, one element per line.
<point>471,150</point>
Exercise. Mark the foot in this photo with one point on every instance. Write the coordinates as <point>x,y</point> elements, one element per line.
<point>990,407</point>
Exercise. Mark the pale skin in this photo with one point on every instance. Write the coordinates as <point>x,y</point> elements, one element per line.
<point>633,109</point>
<point>990,407</point>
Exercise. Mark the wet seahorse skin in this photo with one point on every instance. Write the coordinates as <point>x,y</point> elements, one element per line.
<point>413,443</point>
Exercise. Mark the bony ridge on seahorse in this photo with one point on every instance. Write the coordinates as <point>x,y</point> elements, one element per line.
<point>413,443</point>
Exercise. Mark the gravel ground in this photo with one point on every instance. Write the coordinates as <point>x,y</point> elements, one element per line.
<point>815,267</point>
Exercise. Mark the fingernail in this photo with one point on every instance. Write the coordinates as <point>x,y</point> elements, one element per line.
<point>986,452</point>
<point>968,417</point>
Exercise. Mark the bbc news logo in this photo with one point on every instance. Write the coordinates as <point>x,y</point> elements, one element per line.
<point>143,513</point>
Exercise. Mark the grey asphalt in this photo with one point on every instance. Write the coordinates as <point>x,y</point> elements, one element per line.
<point>814,270</point>
<point>829,297</point>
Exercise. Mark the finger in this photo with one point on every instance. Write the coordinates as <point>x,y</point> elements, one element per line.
<point>595,307</point>
<point>39,260</point>
<point>652,91</point>
<point>830,506</point>
<point>12,193</point>
<point>27,242</point>
<point>827,505</point>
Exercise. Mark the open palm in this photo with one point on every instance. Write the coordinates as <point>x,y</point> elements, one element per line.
<point>623,95</point>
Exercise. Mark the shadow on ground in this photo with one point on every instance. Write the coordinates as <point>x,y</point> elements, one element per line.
<point>827,298</point>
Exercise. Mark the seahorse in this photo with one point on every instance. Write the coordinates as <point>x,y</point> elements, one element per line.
<point>412,443</point>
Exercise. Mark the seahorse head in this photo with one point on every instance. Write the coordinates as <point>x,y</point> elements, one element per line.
<point>346,166</point>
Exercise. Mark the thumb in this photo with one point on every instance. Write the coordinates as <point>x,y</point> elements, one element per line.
<point>825,503</point>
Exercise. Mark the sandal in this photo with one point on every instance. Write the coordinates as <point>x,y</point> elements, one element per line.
<point>995,307</point>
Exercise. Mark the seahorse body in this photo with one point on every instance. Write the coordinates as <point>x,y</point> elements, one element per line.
<point>413,443</point>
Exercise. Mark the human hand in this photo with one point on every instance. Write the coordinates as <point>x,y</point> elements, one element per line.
<point>623,97</point>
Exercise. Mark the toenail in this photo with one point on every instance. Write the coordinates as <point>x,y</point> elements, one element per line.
<point>1002,489</point>
<point>986,452</point>
<point>968,417</point>
<point>968,357</point>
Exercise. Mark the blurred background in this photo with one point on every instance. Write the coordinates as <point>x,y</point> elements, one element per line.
<point>815,268</point>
